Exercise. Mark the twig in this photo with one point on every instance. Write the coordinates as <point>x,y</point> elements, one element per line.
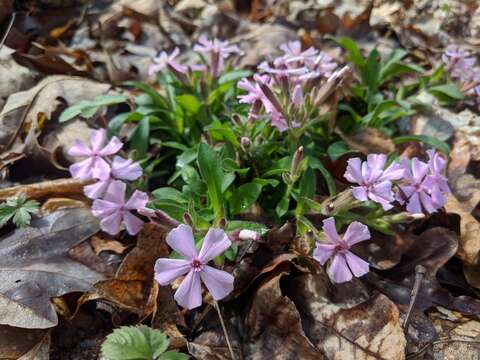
<point>225,332</point>
<point>10,25</point>
<point>420,272</point>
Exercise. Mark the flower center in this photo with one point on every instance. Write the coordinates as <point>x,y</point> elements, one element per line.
<point>341,247</point>
<point>196,265</point>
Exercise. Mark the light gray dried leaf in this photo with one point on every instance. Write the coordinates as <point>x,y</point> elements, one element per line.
<point>34,267</point>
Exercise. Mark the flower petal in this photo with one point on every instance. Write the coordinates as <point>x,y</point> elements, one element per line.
<point>97,138</point>
<point>354,171</point>
<point>219,283</point>
<point>138,200</point>
<point>167,270</point>
<point>113,146</point>
<point>94,191</point>
<point>356,232</point>
<point>79,149</point>
<point>102,208</point>
<point>100,168</point>
<point>82,170</point>
<point>214,244</point>
<point>111,224</point>
<point>125,169</point>
<point>413,205</point>
<point>189,293</point>
<point>419,169</point>
<point>323,252</point>
<point>181,240</point>
<point>338,270</point>
<point>132,223</point>
<point>360,193</point>
<point>330,230</point>
<point>358,266</point>
<point>116,192</point>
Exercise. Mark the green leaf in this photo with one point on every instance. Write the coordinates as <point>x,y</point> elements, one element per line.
<point>88,108</point>
<point>233,76</point>
<point>210,167</point>
<point>173,355</point>
<point>397,70</point>
<point>354,54</point>
<point>438,144</point>
<point>189,103</point>
<point>244,196</point>
<point>233,225</point>
<point>448,90</point>
<point>371,71</point>
<point>140,137</point>
<point>282,207</point>
<point>315,163</point>
<point>168,193</point>
<point>337,149</point>
<point>19,210</point>
<point>134,343</point>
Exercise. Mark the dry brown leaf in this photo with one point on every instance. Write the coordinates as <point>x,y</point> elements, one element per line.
<point>369,140</point>
<point>100,243</point>
<point>24,344</point>
<point>54,204</point>
<point>348,328</point>
<point>51,188</point>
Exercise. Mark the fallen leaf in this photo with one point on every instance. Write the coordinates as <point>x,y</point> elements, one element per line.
<point>369,140</point>
<point>101,243</point>
<point>346,327</point>
<point>25,344</point>
<point>34,266</point>
<point>268,335</point>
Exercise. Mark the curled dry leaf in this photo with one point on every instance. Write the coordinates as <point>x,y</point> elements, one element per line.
<point>35,266</point>
<point>368,141</point>
<point>101,243</point>
<point>51,188</point>
<point>268,334</point>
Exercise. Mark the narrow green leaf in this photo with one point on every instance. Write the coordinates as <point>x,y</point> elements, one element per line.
<point>140,137</point>
<point>438,144</point>
<point>244,196</point>
<point>233,76</point>
<point>449,90</point>
<point>354,54</point>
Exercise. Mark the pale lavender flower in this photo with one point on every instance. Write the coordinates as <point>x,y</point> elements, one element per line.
<point>459,62</point>
<point>321,66</point>
<point>337,248</point>
<point>375,182</point>
<point>189,294</point>
<point>94,156</point>
<point>219,51</point>
<point>121,169</point>
<point>293,52</point>
<point>115,212</point>
<point>423,187</point>
<point>167,60</point>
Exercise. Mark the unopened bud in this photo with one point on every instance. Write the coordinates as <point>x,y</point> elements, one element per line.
<point>296,161</point>
<point>249,235</point>
<point>245,142</point>
<point>403,217</point>
<point>270,96</point>
<point>187,219</point>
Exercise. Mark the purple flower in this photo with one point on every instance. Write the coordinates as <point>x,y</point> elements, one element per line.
<point>293,52</point>
<point>189,293</point>
<point>94,156</point>
<point>423,187</point>
<point>115,211</point>
<point>459,62</point>
<point>375,182</point>
<point>322,65</point>
<point>167,60</point>
<point>121,169</point>
<point>344,262</point>
<point>218,50</point>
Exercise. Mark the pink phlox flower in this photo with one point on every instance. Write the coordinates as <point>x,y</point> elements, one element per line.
<point>293,52</point>
<point>321,66</point>
<point>164,60</point>
<point>219,51</point>
<point>344,263</point>
<point>94,155</point>
<point>423,187</point>
<point>116,213</point>
<point>121,169</point>
<point>375,182</point>
<point>459,62</point>
<point>189,294</point>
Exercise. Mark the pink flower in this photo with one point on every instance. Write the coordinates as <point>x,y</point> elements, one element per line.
<point>459,62</point>
<point>94,156</point>
<point>219,50</point>
<point>167,60</point>
<point>189,293</point>
<point>115,211</point>
<point>293,52</point>
<point>322,65</point>
<point>424,186</point>
<point>375,182</point>
<point>344,262</point>
<point>121,169</point>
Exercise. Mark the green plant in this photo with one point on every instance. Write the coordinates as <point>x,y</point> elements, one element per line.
<point>138,343</point>
<point>18,209</point>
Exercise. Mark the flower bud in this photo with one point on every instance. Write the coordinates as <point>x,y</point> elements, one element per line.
<point>296,162</point>
<point>249,235</point>
<point>245,142</point>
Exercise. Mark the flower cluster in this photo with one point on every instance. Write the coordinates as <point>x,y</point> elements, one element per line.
<point>280,88</point>
<point>214,52</point>
<point>420,185</point>
<point>463,66</point>
<point>108,192</point>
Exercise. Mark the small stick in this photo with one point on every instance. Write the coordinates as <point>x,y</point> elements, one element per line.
<point>10,25</point>
<point>420,272</point>
<point>225,332</point>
